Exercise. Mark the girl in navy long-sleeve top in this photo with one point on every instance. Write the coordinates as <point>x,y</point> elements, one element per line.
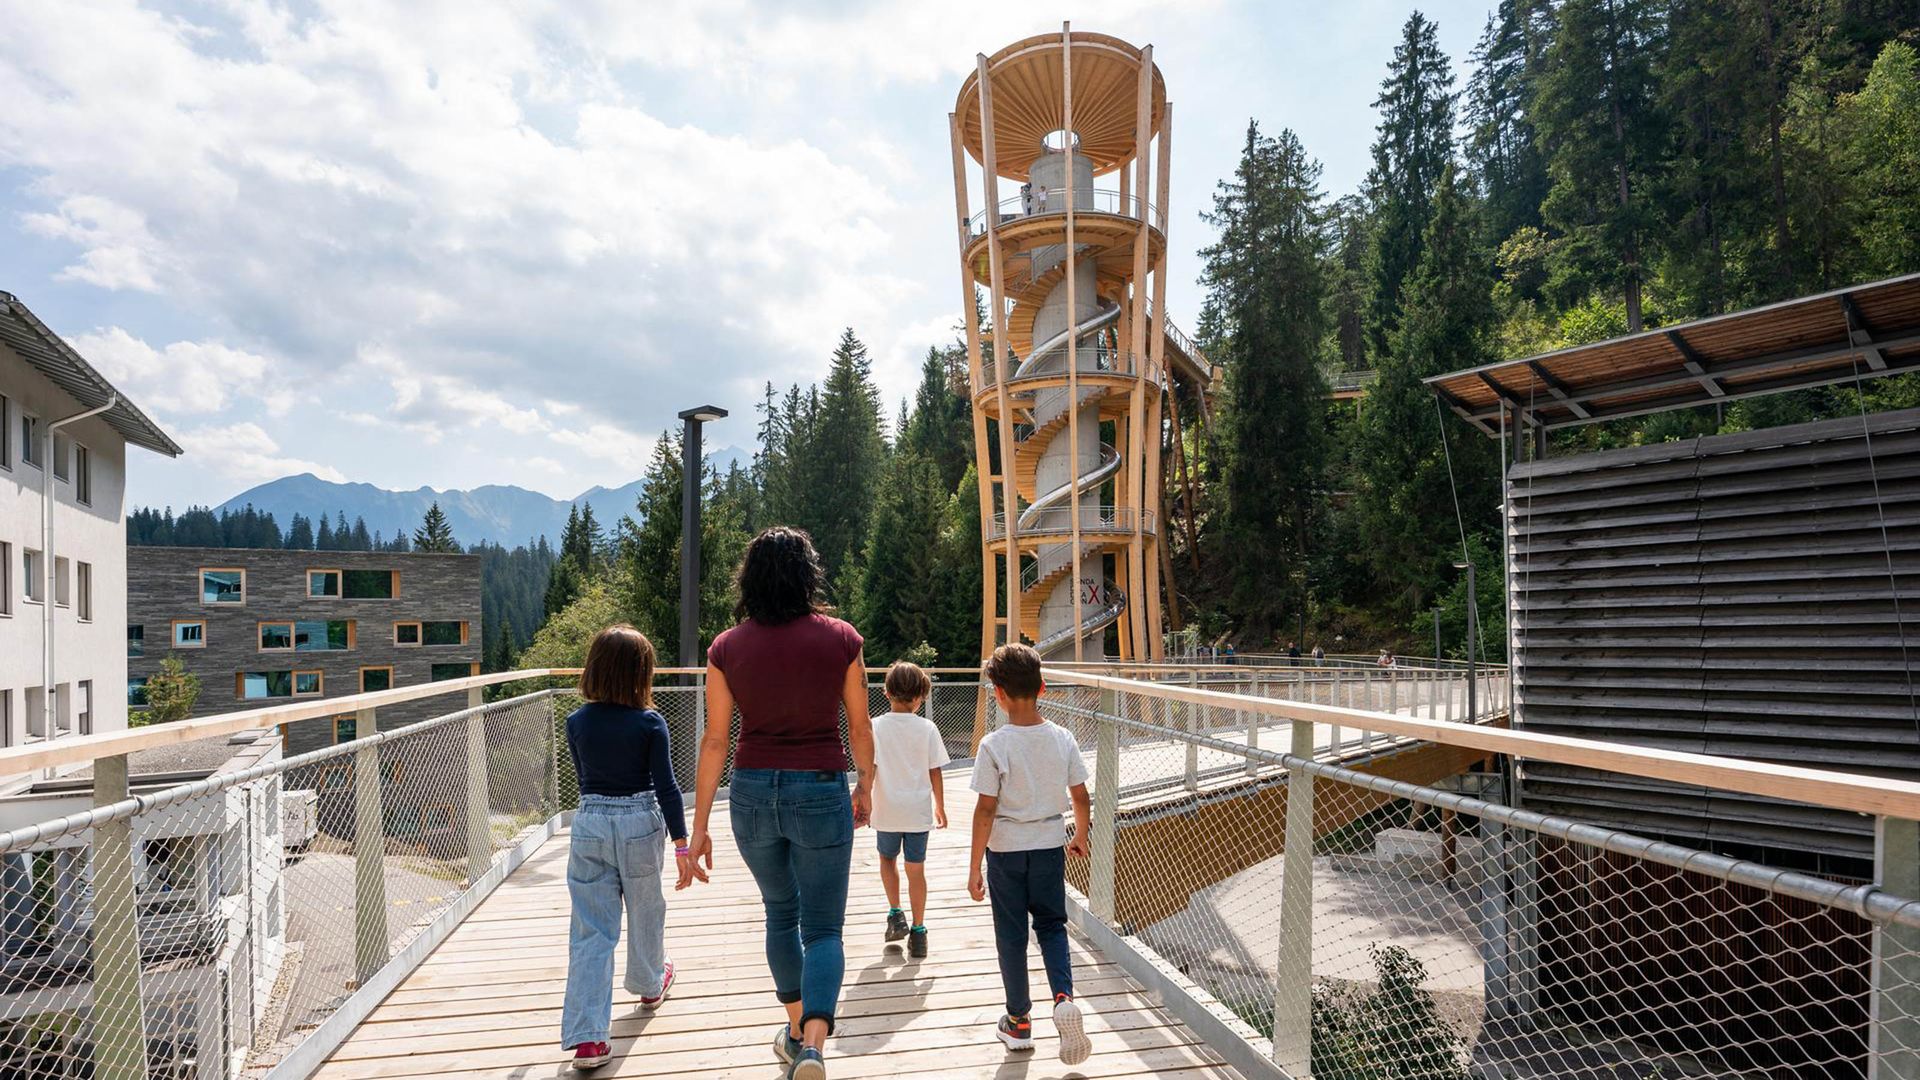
<point>629,807</point>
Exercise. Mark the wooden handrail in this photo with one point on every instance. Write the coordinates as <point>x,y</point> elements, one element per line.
<point>86,748</point>
<point>1875,795</point>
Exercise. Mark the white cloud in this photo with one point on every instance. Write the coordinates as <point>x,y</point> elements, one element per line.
<point>246,454</point>
<point>117,251</point>
<point>604,442</point>
<point>184,378</point>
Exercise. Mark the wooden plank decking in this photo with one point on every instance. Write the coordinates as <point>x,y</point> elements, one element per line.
<point>487,1002</point>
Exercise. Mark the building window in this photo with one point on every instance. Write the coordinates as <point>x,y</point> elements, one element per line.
<point>136,641</point>
<point>33,578</point>
<point>6,696</point>
<point>443,633</point>
<point>276,637</point>
<point>30,439</point>
<point>323,584</point>
<point>318,636</point>
<point>62,450</point>
<point>137,692</point>
<point>223,585</point>
<point>443,672</point>
<point>406,633</point>
<point>375,678</point>
<point>308,684</point>
<point>82,475</point>
<point>346,727</point>
<point>6,574</point>
<point>259,685</point>
<point>6,432</point>
<point>370,584</point>
<point>189,635</point>
<point>85,706</point>
<point>62,596</point>
<point>83,589</point>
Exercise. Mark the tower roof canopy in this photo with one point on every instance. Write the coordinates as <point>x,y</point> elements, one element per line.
<point>1029,105</point>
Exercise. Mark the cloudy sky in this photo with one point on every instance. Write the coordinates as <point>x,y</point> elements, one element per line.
<point>451,242</point>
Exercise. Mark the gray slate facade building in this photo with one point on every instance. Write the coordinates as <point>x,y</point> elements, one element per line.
<point>262,627</point>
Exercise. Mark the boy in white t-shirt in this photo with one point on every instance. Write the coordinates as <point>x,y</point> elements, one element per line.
<point>908,799</point>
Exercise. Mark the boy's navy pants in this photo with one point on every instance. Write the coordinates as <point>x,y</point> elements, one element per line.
<point>1023,885</point>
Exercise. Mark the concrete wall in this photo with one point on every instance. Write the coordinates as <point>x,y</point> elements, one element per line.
<point>85,650</point>
<point>164,586</point>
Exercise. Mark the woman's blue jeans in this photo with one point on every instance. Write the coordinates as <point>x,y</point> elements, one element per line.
<point>614,859</point>
<point>795,832</point>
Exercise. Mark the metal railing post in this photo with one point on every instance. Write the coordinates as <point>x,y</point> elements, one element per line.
<point>1252,721</point>
<point>1293,974</point>
<point>1893,1029</point>
<point>369,854</point>
<point>1193,728</point>
<point>479,795</point>
<point>700,716</point>
<point>119,1028</point>
<point>1106,808</point>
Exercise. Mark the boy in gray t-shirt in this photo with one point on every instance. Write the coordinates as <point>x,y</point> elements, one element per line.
<point>1028,775</point>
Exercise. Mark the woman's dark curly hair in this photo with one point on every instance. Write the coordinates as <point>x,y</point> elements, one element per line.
<point>779,578</point>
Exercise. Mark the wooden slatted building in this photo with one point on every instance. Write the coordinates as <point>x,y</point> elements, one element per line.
<point>1755,594</point>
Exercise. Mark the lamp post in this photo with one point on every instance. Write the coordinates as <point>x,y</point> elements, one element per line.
<point>690,530</point>
<point>1473,628</point>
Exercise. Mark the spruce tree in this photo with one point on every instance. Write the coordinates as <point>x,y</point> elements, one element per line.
<point>324,541</point>
<point>957,577</point>
<point>435,535</point>
<point>1414,142</point>
<point>1405,502</point>
<point>1266,291</point>
<point>898,604</point>
<point>500,652</point>
<point>362,539</point>
<point>300,534</point>
<point>650,549</point>
<point>940,425</point>
<point>1597,109</point>
<point>1501,147</point>
<point>838,466</point>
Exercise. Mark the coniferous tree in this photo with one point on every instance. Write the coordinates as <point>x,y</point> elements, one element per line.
<point>1349,284</point>
<point>957,584</point>
<point>1501,147</point>
<point>362,539</point>
<point>940,425</point>
<point>342,532</point>
<point>500,651</point>
<point>1405,498</point>
<point>650,548</point>
<point>1602,130</point>
<point>898,606</point>
<point>1265,318</point>
<point>324,540</point>
<point>300,534</point>
<point>435,535</point>
<point>838,466</point>
<point>1413,144</point>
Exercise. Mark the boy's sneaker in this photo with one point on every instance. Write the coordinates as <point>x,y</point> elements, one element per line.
<point>1072,1026</point>
<point>917,943</point>
<point>808,1066</point>
<point>896,925</point>
<point>666,985</point>
<point>1016,1032</point>
<point>591,1055</point>
<point>786,1047</point>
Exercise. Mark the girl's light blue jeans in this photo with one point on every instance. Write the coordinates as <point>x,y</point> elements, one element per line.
<point>616,851</point>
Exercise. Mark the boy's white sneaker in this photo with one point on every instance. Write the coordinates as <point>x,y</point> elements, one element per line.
<point>1075,1047</point>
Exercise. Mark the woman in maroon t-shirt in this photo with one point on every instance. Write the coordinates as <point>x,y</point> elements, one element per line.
<point>791,670</point>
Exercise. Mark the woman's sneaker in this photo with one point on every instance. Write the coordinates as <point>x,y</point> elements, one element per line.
<point>896,925</point>
<point>1072,1026</point>
<point>808,1066</point>
<point>917,943</point>
<point>591,1055</point>
<point>1016,1032</point>
<point>666,985</point>
<point>785,1046</point>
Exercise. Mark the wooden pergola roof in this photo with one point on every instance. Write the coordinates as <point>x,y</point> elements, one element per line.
<point>1863,331</point>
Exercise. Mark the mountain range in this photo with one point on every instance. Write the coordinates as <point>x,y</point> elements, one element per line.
<point>500,513</point>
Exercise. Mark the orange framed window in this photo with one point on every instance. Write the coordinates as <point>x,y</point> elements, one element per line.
<point>406,634</point>
<point>309,684</point>
<point>223,586</point>
<point>375,678</point>
<point>276,637</point>
<point>323,584</point>
<point>189,634</point>
<point>446,632</point>
<point>370,584</point>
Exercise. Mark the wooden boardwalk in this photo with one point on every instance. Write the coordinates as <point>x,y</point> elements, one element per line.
<point>487,1002</point>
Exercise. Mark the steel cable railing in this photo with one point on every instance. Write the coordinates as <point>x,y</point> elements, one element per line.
<point>1386,912</point>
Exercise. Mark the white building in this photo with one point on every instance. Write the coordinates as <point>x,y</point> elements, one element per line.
<point>80,592</point>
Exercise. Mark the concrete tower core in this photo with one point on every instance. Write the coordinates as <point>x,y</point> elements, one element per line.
<point>1071,372</point>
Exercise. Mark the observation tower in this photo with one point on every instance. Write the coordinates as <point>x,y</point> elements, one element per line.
<point>1065,138</point>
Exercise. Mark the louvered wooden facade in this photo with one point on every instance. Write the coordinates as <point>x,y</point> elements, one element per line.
<point>1755,595</point>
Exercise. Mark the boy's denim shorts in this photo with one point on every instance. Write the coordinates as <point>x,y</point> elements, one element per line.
<point>892,843</point>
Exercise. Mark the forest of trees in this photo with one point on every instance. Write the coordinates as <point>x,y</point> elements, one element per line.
<point>1607,166</point>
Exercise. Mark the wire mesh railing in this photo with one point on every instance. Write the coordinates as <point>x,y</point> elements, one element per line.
<point>1388,913</point>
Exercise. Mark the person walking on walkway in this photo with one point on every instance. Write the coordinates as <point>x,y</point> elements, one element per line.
<point>629,806</point>
<point>791,670</point>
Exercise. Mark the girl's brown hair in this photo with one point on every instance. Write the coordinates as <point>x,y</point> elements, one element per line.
<point>619,668</point>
